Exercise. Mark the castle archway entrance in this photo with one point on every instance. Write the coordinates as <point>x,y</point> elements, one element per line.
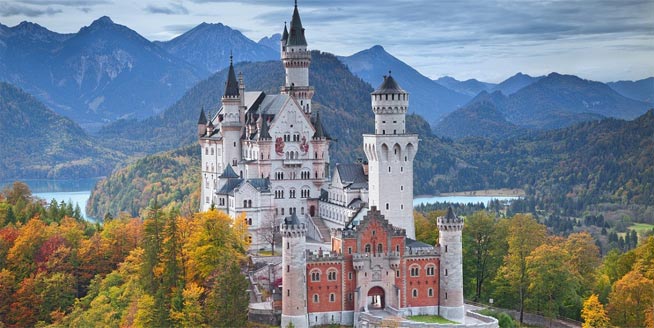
<point>312,211</point>
<point>376,298</point>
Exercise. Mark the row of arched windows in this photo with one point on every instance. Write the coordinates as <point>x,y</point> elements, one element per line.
<point>315,274</point>
<point>414,270</point>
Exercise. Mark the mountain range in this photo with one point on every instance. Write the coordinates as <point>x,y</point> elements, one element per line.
<point>427,98</point>
<point>549,102</point>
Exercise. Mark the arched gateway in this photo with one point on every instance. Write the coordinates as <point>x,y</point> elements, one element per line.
<point>376,298</point>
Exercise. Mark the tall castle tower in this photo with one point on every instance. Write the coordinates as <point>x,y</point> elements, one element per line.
<point>390,152</point>
<point>451,289</point>
<point>294,266</point>
<point>296,59</point>
<point>232,120</point>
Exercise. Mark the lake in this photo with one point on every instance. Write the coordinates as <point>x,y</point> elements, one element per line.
<point>77,191</point>
<point>460,199</point>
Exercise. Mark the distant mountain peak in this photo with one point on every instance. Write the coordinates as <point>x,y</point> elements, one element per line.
<point>104,20</point>
<point>377,48</point>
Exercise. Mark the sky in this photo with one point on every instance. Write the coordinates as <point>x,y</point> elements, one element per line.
<point>489,40</point>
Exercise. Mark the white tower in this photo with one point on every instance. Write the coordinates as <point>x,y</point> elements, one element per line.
<point>390,152</point>
<point>294,266</point>
<point>296,59</point>
<point>451,288</point>
<point>232,120</point>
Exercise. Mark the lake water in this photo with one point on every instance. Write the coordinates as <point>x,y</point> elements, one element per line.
<point>77,191</point>
<point>460,199</point>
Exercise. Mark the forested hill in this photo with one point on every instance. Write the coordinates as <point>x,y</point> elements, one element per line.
<point>589,163</point>
<point>38,143</point>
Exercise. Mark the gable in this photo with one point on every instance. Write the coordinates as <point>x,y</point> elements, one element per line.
<point>291,119</point>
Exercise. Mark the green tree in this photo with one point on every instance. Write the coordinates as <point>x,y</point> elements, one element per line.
<point>551,284</point>
<point>524,235</point>
<point>482,251</point>
<point>227,302</point>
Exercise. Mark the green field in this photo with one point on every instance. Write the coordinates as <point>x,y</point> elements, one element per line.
<point>641,228</point>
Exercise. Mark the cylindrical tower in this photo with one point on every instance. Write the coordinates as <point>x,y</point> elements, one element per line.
<point>294,266</point>
<point>451,267</point>
<point>232,124</point>
<point>390,152</point>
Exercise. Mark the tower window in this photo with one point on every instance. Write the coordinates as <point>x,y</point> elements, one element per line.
<point>367,249</point>
<point>387,206</point>
<point>315,298</point>
<point>332,297</point>
<point>430,292</point>
<point>415,292</point>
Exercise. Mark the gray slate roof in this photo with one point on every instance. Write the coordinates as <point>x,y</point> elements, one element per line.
<point>352,175</point>
<point>388,86</point>
<point>231,88</point>
<point>229,173</point>
<point>296,35</point>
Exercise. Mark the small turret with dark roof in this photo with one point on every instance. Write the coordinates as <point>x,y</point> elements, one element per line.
<point>285,35</point>
<point>231,87</point>
<point>202,123</point>
<point>296,35</point>
<point>320,130</point>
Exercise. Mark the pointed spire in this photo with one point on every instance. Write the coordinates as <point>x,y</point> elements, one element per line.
<point>231,89</point>
<point>320,131</point>
<point>388,86</point>
<point>285,34</point>
<point>203,117</point>
<point>264,132</point>
<point>229,173</point>
<point>296,36</point>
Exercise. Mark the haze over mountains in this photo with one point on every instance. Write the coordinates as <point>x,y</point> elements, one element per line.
<point>146,94</point>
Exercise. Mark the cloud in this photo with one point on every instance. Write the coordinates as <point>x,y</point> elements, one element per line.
<point>10,9</point>
<point>69,3</point>
<point>171,9</point>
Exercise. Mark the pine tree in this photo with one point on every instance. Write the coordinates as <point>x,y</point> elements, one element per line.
<point>227,303</point>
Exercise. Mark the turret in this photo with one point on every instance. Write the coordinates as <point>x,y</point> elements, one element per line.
<point>450,228</point>
<point>202,123</point>
<point>294,266</point>
<point>296,59</point>
<point>390,152</point>
<point>284,39</point>
<point>231,125</point>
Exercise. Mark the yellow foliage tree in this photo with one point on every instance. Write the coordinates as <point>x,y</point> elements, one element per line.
<point>594,314</point>
<point>629,300</point>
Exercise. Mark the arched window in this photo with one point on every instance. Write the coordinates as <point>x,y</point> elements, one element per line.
<point>315,275</point>
<point>415,270</point>
<point>430,270</point>
<point>332,297</point>
<point>331,274</point>
<point>414,292</point>
<point>367,249</point>
<point>380,248</point>
<point>315,298</point>
<point>430,292</point>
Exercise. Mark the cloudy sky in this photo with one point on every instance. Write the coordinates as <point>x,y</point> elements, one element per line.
<point>484,39</point>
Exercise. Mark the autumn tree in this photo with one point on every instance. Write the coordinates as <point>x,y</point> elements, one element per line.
<point>593,313</point>
<point>524,235</point>
<point>551,284</point>
<point>629,300</point>
<point>584,258</point>
<point>426,226</point>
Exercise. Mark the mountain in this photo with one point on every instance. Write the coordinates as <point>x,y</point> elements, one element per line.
<point>561,100</point>
<point>642,90</point>
<point>39,143</point>
<point>470,87</point>
<point>515,83</point>
<point>428,98</point>
<point>103,72</point>
<point>209,46</point>
<point>271,42</point>
<point>479,119</point>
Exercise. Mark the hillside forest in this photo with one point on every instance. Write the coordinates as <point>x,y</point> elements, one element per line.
<point>164,268</point>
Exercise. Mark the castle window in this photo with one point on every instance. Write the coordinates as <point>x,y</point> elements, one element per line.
<point>430,292</point>
<point>206,151</point>
<point>349,250</point>
<point>331,275</point>
<point>250,221</point>
<point>383,131</point>
<point>430,270</point>
<point>291,193</point>
<point>349,275</point>
<point>211,151</point>
<point>207,200</point>
<point>349,296</point>
<point>415,271</point>
<point>332,297</point>
<point>445,295</point>
<point>288,245</point>
<point>288,292</point>
<point>414,293</point>
<point>389,169</point>
<point>397,273</point>
<point>380,248</point>
<point>445,248</point>
<point>315,275</point>
<point>315,298</point>
<point>387,206</point>
<point>374,232</point>
<point>234,143</point>
<point>446,272</point>
<point>397,248</point>
<point>288,268</point>
<point>367,249</point>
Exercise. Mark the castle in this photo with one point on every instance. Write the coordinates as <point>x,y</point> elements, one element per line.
<point>347,239</point>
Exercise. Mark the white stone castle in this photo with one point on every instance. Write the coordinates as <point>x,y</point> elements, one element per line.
<point>267,156</point>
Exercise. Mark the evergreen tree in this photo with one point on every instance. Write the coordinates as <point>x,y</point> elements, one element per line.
<point>227,302</point>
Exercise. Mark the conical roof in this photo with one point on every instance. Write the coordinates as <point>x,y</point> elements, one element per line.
<point>264,133</point>
<point>285,34</point>
<point>203,118</point>
<point>296,36</point>
<point>229,173</point>
<point>231,88</point>
<point>388,86</point>
<point>320,130</point>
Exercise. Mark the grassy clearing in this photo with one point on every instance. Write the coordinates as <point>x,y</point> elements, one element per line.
<point>641,228</point>
<point>429,319</point>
